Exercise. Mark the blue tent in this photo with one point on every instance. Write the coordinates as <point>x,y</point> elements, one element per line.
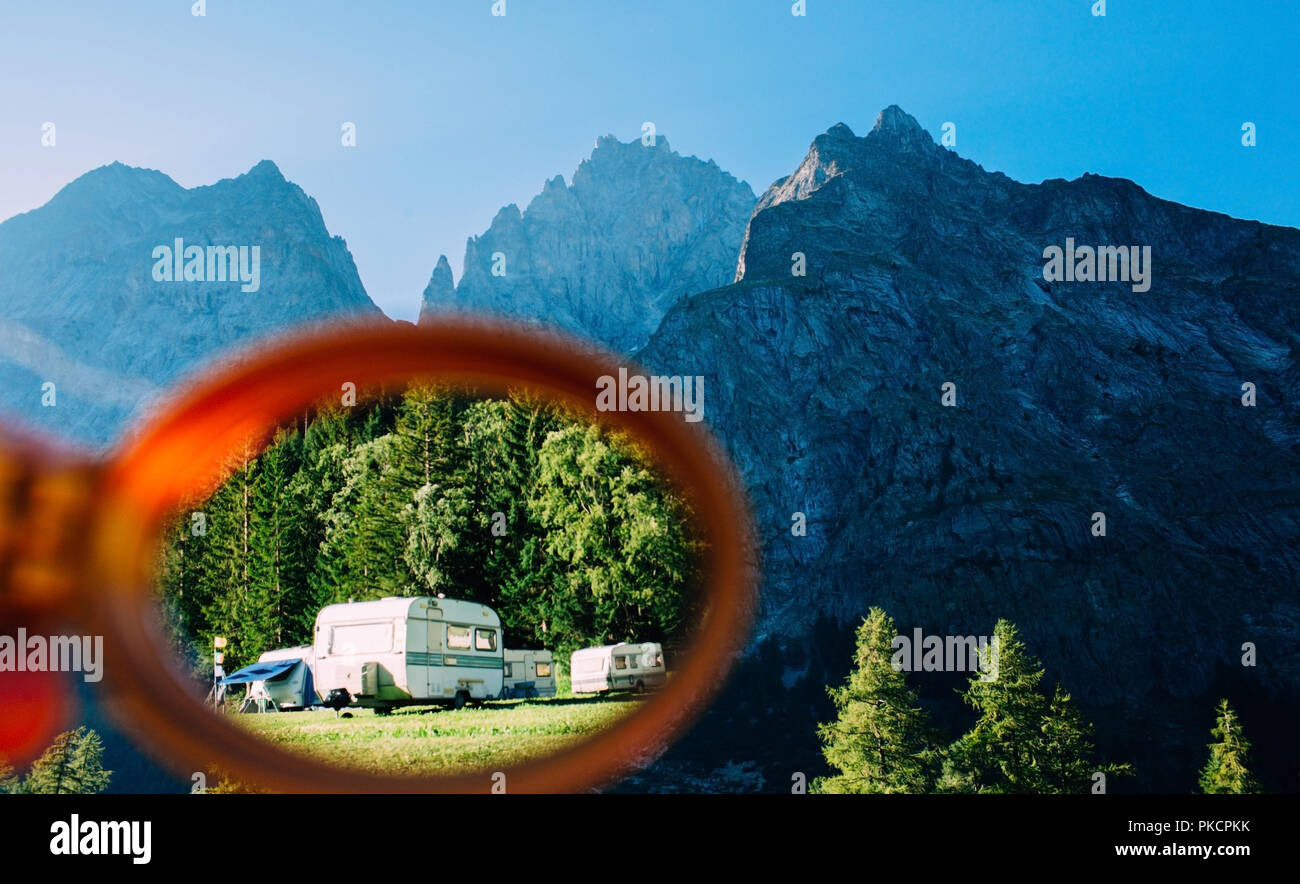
<point>260,671</point>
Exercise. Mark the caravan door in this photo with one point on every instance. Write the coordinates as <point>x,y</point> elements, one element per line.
<point>434,658</point>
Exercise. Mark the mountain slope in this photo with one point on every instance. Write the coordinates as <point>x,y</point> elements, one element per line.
<point>639,228</point>
<point>80,305</point>
<point>1073,398</point>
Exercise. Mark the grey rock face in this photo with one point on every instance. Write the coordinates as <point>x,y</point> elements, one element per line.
<point>440,290</point>
<point>80,308</point>
<point>1072,399</point>
<point>639,228</point>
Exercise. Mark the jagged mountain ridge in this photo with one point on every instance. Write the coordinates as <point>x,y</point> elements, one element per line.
<point>1073,398</point>
<point>79,305</point>
<point>605,257</point>
<point>922,268</point>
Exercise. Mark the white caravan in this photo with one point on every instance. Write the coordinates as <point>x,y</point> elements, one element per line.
<point>293,689</point>
<point>408,651</point>
<point>529,674</point>
<point>620,667</point>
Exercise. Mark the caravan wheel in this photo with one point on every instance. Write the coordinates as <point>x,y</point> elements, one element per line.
<point>461,699</point>
<point>640,687</point>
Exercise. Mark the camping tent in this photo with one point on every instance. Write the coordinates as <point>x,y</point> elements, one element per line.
<point>285,682</point>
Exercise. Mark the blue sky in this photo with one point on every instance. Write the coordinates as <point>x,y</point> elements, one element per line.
<point>459,112</point>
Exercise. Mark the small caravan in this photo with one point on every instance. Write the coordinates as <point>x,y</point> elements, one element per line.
<point>620,667</point>
<point>528,674</point>
<point>408,651</point>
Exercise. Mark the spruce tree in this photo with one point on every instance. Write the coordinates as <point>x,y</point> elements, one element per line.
<point>880,739</point>
<point>1023,742</point>
<point>225,582</point>
<point>279,558</point>
<point>998,754</point>
<point>518,567</point>
<point>1067,762</point>
<point>73,764</point>
<point>1226,772</point>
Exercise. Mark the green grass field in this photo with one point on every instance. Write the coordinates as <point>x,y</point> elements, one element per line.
<point>423,741</point>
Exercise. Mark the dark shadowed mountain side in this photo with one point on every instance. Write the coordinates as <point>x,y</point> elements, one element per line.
<point>1072,398</point>
<point>639,228</point>
<point>81,307</point>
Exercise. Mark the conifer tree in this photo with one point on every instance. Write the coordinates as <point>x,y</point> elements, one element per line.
<point>998,754</point>
<point>518,566</point>
<point>1227,770</point>
<point>1067,762</point>
<point>9,780</point>
<point>1023,742</point>
<point>230,606</point>
<point>73,764</point>
<point>880,739</point>
<point>279,558</point>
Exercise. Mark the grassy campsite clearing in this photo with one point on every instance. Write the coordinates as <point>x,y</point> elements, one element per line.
<point>426,741</point>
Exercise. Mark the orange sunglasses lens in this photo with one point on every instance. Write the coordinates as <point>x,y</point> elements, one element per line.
<point>428,560</point>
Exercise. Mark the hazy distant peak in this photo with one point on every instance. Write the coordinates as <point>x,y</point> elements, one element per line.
<point>265,169</point>
<point>638,228</point>
<point>611,144</point>
<point>440,290</point>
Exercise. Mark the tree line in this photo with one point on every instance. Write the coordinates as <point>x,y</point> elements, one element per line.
<point>1026,739</point>
<point>561,526</point>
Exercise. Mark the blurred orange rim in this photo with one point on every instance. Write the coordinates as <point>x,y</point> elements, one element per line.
<point>179,451</point>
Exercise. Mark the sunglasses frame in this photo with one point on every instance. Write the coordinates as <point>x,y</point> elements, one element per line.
<point>178,452</point>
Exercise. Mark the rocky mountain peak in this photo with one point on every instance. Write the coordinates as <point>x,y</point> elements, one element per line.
<point>919,272</point>
<point>265,169</point>
<point>639,228</point>
<point>896,158</point>
<point>110,186</point>
<point>441,288</point>
<point>897,122</point>
<point>86,301</point>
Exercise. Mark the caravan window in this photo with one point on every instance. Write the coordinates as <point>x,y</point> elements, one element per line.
<point>362,638</point>
<point>458,638</point>
<point>543,670</point>
<point>485,639</point>
<point>620,662</point>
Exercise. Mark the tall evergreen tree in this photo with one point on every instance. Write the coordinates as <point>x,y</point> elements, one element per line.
<point>880,740</point>
<point>1227,770</point>
<point>1023,741</point>
<point>1067,762</point>
<point>519,567</point>
<point>279,556</point>
<point>230,607</point>
<point>73,764</point>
